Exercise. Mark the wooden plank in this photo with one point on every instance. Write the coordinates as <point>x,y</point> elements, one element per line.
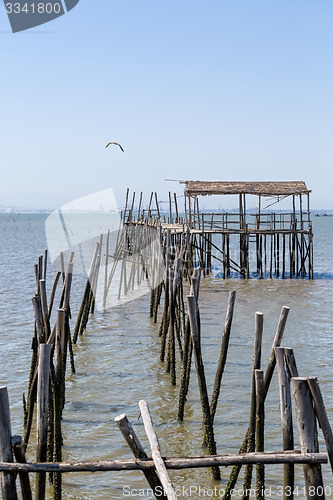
<point>172,463</point>
<point>156,454</point>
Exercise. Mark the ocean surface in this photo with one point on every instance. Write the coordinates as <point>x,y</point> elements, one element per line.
<point>117,365</point>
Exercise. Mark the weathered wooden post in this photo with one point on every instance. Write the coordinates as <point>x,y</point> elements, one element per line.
<point>276,343</point>
<point>8,486</point>
<point>59,395</point>
<point>188,347</point>
<point>107,244</point>
<point>291,362</point>
<point>155,450</point>
<point>260,430</point>
<point>45,310</point>
<point>82,318</point>
<point>306,422</point>
<point>251,435</point>
<point>19,453</point>
<point>286,419</point>
<point>207,421</point>
<point>138,451</point>
<point>42,412</point>
<point>223,354</point>
<point>322,416</point>
<point>267,380</point>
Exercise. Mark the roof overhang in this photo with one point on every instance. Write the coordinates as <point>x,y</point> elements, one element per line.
<point>204,188</point>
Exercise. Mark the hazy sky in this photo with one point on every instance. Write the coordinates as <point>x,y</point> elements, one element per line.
<point>208,90</point>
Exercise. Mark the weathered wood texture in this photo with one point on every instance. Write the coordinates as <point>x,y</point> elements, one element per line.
<point>259,188</point>
<point>156,453</point>
<point>139,453</point>
<point>19,453</point>
<point>286,419</point>
<point>306,422</point>
<point>223,354</point>
<point>207,420</point>
<point>42,413</point>
<point>176,463</point>
<point>267,381</point>
<point>260,431</point>
<point>322,416</point>
<point>8,487</point>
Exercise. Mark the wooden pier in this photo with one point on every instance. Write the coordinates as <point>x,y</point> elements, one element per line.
<point>260,243</point>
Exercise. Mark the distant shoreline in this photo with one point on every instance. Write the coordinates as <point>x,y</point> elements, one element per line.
<point>18,210</point>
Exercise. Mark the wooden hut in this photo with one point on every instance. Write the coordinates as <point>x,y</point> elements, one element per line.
<point>282,239</point>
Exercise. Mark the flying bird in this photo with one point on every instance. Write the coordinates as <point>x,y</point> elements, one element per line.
<point>116,144</point>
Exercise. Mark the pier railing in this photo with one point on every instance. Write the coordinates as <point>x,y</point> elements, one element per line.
<point>236,222</point>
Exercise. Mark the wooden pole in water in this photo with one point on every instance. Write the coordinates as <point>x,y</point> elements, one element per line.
<point>306,422</point>
<point>96,274</point>
<point>107,244</point>
<point>139,207</point>
<point>157,206</point>
<point>283,255</point>
<point>276,343</point>
<point>53,292</point>
<point>188,348</point>
<point>260,431</point>
<point>138,451</point>
<point>322,416</point>
<point>19,453</point>
<point>251,434</point>
<point>207,421</point>
<point>286,420</point>
<point>42,412</point>
<point>223,354</point>
<point>155,450</point>
<point>170,208</point>
<point>45,314</point>
<point>8,486</point>
<point>83,315</point>
<point>149,206</point>
<point>176,208</point>
<point>39,319</point>
<point>291,362</point>
<point>267,380</point>
<point>172,345</point>
<point>165,318</point>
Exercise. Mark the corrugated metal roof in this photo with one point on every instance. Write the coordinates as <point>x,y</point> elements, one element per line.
<point>258,188</point>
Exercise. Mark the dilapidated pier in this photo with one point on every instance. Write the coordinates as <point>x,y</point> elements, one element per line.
<point>257,242</point>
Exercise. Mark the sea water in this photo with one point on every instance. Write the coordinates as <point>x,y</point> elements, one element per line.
<point>117,365</point>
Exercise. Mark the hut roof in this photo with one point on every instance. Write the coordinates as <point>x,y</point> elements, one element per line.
<point>265,188</point>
